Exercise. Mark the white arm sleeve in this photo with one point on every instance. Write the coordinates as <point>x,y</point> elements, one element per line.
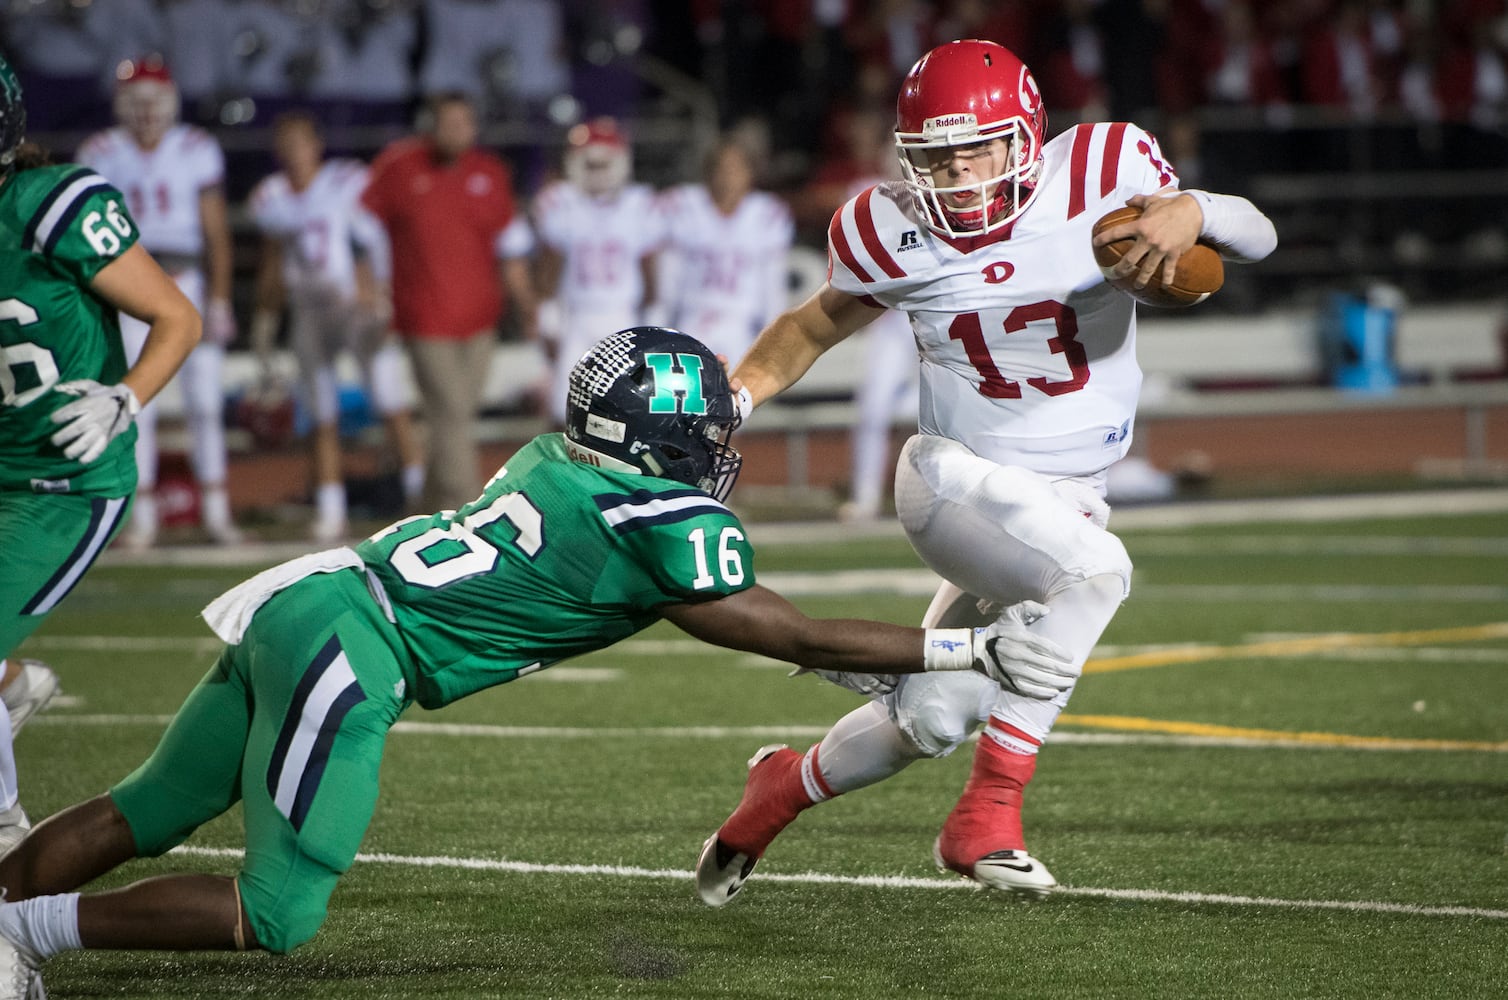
<point>1236,226</point>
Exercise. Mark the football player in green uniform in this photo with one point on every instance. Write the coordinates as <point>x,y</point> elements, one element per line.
<point>580,540</point>
<point>68,263</point>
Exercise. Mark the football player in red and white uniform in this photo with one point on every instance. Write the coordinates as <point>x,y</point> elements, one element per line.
<point>598,233</point>
<point>1029,384</point>
<point>723,271</point>
<point>172,175</point>
<point>318,253</point>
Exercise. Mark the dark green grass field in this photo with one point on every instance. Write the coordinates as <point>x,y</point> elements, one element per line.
<point>1285,775</point>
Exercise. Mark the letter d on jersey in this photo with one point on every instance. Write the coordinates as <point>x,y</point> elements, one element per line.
<point>997,272</point>
<point>678,383</point>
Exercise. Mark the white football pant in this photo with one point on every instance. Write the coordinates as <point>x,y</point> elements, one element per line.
<point>998,535</point>
<point>889,386</point>
<point>320,327</point>
<point>200,379</point>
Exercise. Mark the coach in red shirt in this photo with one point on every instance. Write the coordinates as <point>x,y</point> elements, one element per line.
<point>458,248</point>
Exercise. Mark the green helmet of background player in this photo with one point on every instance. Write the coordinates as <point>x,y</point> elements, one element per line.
<point>12,117</point>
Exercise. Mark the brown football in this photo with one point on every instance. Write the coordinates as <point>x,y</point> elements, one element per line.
<point>1200,271</point>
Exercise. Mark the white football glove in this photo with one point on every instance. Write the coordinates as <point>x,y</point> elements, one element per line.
<point>94,419</point>
<point>219,322</point>
<point>1022,661</point>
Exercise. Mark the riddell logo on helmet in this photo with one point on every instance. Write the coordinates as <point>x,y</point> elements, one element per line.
<point>950,123</point>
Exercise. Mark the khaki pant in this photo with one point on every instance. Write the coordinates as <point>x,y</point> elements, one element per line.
<point>451,375</point>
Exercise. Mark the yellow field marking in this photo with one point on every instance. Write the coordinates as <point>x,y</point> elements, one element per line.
<point>1131,723</point>
<point>1297,647</point>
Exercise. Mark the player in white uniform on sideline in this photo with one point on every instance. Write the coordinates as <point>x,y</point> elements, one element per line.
<point>888,385</point>
<point>1029,387</point>
<point>723,270</point>
<point>319,249</point>
<point>172,176</point>
<point>598,233</point>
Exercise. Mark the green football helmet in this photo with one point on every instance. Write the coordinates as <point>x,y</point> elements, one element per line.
<point>659,401</point>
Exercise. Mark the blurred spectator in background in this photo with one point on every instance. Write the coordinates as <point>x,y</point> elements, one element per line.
<point>508,55</point>
<point>199,37</point>
<point>172,175</point>
<point>1133,82</point>
<point>449,213</point>
<point>1341,67</point>
<point>608,38</point>
<point>317,258</point>
<point>1073,61</point>
<point>367,50</point>
<point>888,385</point>
<point>1473,75</point>
<point>598,232</point>
<point>723,270</point>
<point>67,56</point>
<point>274,55</point>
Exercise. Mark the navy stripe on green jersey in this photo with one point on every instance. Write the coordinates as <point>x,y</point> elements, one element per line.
<point>59,208</point>
<point>325,694</point>
<point>627,512</point>
<point>105,514</point>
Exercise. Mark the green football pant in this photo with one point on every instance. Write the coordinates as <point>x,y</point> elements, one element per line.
<point>292,721</point>
<point>49,541</point>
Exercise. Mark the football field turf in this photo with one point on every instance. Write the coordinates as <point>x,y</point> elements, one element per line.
<point>1285,774</point>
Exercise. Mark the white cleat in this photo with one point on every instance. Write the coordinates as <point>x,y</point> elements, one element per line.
<point>19,975</point>
<point>1015,872</point>
<point>29,693</point>
<point>721,872</point>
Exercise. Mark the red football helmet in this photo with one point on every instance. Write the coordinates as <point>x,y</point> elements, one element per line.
<point>146,98</point>
<point>961,94</point>
<point>597,157</point>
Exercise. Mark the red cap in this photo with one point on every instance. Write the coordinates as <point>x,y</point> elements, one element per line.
<point>149,67</point>
<point>597,132</point>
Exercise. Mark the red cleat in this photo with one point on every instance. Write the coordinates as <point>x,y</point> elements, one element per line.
<point>773,797</point>
<point>981,838</point>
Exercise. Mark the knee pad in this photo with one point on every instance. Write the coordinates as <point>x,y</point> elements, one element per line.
<point>937,712</point>
<point>1000,532</point>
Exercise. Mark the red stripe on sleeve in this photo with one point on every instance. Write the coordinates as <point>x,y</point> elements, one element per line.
<point>864,216</point>
<point>1078,166</point>
<point>1110,163</point>
<point>838,243</point>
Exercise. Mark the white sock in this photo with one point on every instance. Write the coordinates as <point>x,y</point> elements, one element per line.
<point>330,501</point>
<point>43,926</point>
<point>214,506</point>
<point>413,483</point>
<point>863,747</point>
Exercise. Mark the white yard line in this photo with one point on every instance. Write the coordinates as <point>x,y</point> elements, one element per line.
<point>1493,547</point>
<point>801,732</point>
<point>1157,516</point>
<point>895,882</point>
